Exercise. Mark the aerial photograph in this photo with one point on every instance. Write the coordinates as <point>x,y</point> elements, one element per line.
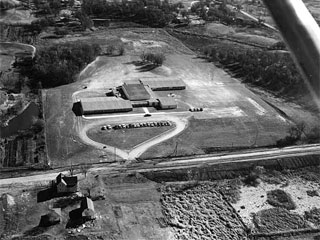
<point>159,119</point>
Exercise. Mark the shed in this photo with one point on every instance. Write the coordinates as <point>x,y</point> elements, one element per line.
<point>167,103</point>
<point>98,105</point>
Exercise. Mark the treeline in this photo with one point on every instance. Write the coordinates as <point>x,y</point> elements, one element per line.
<point>59,64</point>
<point>272,70</point>
<point>152,13</point>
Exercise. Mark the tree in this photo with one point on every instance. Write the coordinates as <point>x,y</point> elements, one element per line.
<point>153,58</point>
<point>84,169</point>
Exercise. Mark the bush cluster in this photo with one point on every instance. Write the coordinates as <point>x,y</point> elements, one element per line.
<point>154,58</point>
<point>279,198</point>
<point>59,64</point>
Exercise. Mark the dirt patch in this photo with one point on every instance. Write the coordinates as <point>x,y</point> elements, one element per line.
<point>200,213</point>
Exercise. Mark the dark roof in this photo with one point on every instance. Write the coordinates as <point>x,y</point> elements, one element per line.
<point>155,84</point>
<point>49,219</point>
<point>87,203</point>
<point>135,91</point>
<point>71,181</point>
<point>104,103</point>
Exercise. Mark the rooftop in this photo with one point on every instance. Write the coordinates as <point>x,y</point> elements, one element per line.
<point>103,103</point>
<point>135,91</point>
<point>159,84</point>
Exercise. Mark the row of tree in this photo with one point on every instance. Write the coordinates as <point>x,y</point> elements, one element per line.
<point>275,71</point>
<point>155,14</point>
<point>59,64</point>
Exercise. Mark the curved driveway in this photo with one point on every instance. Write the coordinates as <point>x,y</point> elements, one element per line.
<point>180,125</point>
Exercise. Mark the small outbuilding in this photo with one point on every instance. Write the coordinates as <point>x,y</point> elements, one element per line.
<point>66,184</point>
<point>51,218</point>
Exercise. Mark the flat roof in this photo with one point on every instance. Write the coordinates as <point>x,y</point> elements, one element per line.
<point>135,91</point>
<point>104,103</point>
<point>164,83</point>
<point>167,101</point>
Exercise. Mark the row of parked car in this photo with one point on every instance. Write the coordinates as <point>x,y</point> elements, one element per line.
<point>136,125</point>
<point>195,109</point>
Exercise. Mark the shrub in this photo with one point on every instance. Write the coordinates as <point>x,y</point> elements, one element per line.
<point>154,58</point>
<point>313,136</point>
<point>313,216</point>
<point>253,179</point>
<point>279,198</point>
<point>114,50</point>
<point>38,125</point>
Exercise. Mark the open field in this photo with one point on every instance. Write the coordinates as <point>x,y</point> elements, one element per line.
<point>233,116</point>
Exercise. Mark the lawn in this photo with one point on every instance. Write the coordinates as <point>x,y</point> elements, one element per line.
<point>211,135</point>
<point>63,144</point>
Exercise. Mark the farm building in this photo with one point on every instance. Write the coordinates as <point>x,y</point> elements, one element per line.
<point>66,184</point>
<point>167,103</point>
<point>104,105</point>
<point>164,85</point>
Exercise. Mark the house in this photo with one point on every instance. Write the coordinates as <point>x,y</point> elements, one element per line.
<point>87,209</point>
<point>66,184</point>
